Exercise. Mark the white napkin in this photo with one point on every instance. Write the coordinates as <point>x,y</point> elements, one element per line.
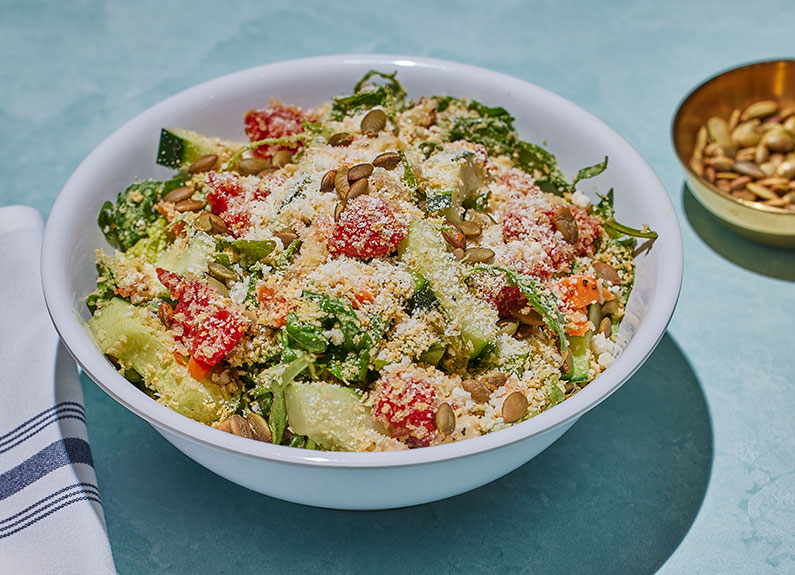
<point>51,517</point>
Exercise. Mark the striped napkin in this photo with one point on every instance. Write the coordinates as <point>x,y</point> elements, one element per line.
<point>51,517</point>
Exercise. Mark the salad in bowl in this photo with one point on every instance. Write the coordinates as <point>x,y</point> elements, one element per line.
<point>374,274</point>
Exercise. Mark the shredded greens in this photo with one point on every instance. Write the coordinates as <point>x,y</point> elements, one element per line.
<point>604,209</point>
<point>389,95</point>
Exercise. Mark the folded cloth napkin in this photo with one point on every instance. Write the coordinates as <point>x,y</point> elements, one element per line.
<point>51,517</point>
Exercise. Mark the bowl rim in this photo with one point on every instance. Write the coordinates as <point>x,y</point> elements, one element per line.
<point>756,207</point>
<point>75,338</point>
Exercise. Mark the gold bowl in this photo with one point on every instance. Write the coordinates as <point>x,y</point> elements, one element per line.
<point>719,96</point>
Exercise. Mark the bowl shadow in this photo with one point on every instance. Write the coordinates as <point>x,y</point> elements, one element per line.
<point>616,494</point>
<point>766,260</point>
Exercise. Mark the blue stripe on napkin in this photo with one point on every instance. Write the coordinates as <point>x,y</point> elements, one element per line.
<point>59,453</point>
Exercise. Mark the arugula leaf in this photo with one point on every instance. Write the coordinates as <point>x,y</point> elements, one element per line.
<point>428,148</point>
<point>306,335</point>
<point>590,172</point>
<point>287,255</point>
<point>544,302</point>
<point>605,211</point>
<point>391,96</point>
<point>105,287</point>
<point>276,379</point>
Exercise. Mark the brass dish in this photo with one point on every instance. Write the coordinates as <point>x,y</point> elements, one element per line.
<point>718,96</point>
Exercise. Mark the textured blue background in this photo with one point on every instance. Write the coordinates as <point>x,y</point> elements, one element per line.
<point>689,468</point>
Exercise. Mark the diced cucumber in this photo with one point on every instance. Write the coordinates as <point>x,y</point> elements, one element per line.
<point>193,259</point>
<point>134,337</point>
<point>425,251</point>
<point>332,416</point>
<point>180,148</point>
<point>433,355</point>
<point>451,177</point>
<point>581,358</point>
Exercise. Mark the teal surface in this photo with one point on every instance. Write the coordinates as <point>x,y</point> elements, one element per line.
<point>688,468</point>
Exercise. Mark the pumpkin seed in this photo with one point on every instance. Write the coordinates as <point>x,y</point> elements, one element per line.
<point>786,169</point>
<point>761,191</point>
<point>479,255</point>
<point>702,138</point>
<point>514,407</point>
<point>178,195</point>
<point>165,313</point>
<point>528,316</point>
<point>746,154</point>
<point>282,158</point>
<point>744,195</point>
<point>713,149</point>
<point>470,229</point>
<point>202,223</point>
<point>203,164</point>
<point>697,166</point>
<point>445,419</point>
<point>327,183</point>
<point>259,427</point>
<point>719,132</point>
<point>373,122</point>
<point>789,125</point>
<point>739,183</point>
<point>761,156</point>
<point>568,388</point>
<point>723,184</point>
<point>606,272</point>
<point>768,169</point>
<point>287,237</point>
<point>218,225</point>
<point>359,171</point>
<point>458,254</point>
<point>477,389</point>
<point>188,206</point>
<point>341,183</point>
<point>721,163</point>
<point>495,380</point>
<point>252,166</point>
<point>748,169</point>
<point>777,140</point>
<point>734,119</point>
<point>387,160</point>
<point>760,109</point>
<point>454,236</point>
<point>747,134</point>
<point>221,272</point>
<point>566,224</point>
<point>358,188</point>
<point>338,209</point>
<point>709,173</point>
<point>568,362</point>
<point>217,286</point>
<point>606,326</point>
<point>507,327</point>
<point>239,426</point>
<point>341,139</point>
<point>224,426</point>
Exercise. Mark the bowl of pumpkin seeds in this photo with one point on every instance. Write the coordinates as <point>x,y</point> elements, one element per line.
<point>735,137</point>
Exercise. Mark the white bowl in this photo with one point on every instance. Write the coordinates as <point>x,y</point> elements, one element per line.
<point>360,480</point>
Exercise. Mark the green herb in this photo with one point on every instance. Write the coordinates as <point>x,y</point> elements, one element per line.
<point>131,218</point>
<point>545,303</point>
<point>590,172</point>
<point>443,102</point>
<point>390,95</point>
<point>287,255</point>
<point>106,287</point>
<point>408,173</point>
<point>307,336</point>
<point>479,202</point>
<point>296,440</point>
<point>605,211</point>
<point>297,190</point>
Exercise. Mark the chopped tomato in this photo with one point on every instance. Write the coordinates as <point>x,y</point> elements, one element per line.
<point>361,297</point>
<point>203,321</point>
<point>274,304</point>
<point>197,369</point>
<point>223,186</point>
<point>275,121</point>
<point>578,329</point>
<point>367,228</point>
<point>579,291</point>
<point>405,403</point>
